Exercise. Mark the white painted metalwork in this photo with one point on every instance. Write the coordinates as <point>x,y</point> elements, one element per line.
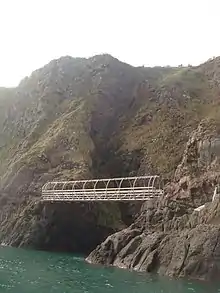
<point>216,194</point>
<point>114,189</point>
<point>198,209</point>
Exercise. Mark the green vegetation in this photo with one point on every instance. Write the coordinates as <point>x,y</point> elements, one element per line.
<point>79,118</point>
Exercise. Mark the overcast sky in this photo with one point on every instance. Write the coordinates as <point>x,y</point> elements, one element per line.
<point>139,32</point>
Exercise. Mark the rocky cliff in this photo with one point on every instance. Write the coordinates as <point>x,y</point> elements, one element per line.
<point>170,237</point>
<point>98,117</point>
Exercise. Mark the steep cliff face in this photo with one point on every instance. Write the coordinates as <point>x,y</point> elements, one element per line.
<point>199,170</point>
<point>97,117</point>
<point>52,128</point>
<point>169,236</point>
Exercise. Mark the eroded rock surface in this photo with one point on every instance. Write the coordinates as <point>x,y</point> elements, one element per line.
<point>187,245</point>
<point>169,237</point>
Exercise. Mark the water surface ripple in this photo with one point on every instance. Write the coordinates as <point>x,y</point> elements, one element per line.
<point>26,271</point>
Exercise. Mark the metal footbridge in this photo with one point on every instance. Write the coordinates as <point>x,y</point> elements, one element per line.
<point>115,189</point>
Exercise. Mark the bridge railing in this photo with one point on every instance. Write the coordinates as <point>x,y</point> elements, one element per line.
<point>126,188</point>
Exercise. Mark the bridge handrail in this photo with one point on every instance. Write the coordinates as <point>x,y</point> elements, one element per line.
<point>101,191</point>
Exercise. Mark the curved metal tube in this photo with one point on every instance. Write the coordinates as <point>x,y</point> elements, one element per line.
<point>87,190</point>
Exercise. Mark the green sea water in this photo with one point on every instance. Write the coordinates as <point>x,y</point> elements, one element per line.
<point>26,271</point>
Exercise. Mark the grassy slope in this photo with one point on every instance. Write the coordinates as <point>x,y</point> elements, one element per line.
<point>156,118</point>
<point>163,124</point>
<point>116,115</point>
<point>98,117</point>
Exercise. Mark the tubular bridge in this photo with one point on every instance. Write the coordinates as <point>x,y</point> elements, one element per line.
<point>140,188</point>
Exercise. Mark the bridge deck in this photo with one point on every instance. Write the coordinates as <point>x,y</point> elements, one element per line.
<point>115,189</point>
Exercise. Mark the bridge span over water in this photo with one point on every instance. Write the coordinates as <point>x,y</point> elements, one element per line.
<point>140,188</point>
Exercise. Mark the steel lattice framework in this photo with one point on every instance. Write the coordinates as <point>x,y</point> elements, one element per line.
<point>114,189</point>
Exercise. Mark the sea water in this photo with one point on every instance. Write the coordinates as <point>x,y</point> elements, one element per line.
<point>28,271</point>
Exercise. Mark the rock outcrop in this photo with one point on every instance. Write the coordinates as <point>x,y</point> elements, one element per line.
<point>184,246</point>
<point>169,237</point>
